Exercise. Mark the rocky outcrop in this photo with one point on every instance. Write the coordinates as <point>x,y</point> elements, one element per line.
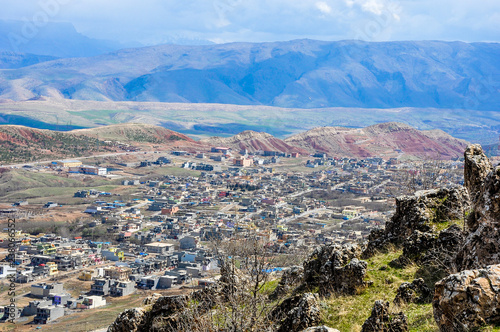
<point>476,167</point>
<point>482,245</point>
<point>129,320</point>
<point>467,300</point>
<point>335,268</point>
<point>381,320</point>
<point>429,249</point>
<point>289,280</point>
<point>166,313</point>
<point>419,216</point>
<point>297,313</point>
<point>414,292</point>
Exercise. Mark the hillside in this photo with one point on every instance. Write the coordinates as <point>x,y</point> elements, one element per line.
<point>19,144</point>
<point>22,144</point>
<point>381,140</point>
<point>12,60</point>
<point>253,141</point>
<point>134,133</point>
<point>299,73</point>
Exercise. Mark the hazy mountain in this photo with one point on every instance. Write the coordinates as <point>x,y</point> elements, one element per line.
<point>54,39</point>
<point>300,73</point>
<point>12,60</point>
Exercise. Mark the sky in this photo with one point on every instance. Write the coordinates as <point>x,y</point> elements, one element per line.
<point>150,22</point>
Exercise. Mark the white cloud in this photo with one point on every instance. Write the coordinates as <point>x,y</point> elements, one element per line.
<point>323,7</point>
<point>373,6</point>
<point>271,20</point>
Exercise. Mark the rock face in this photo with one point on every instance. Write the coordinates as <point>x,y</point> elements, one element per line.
<point>291,278</point>
<point>381,320</point>
<point>476,168</point>
<point>297,313</point>
<point>414,292</point>
<point>335,268</point>
<point>423,212</point>
<point>482,246</point>
<point>128,320</point>
<point>468,300</point>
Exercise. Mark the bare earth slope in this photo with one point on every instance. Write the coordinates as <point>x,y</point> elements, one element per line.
<point>20,144</point>
<point>254,141</point>
<point>382,140</point>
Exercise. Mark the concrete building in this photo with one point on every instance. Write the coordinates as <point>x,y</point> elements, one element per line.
<point>69,163</point>
<point>121,288</point>
<point>159,248</point>
<point>32,307</point>
<point>100,287</point>
<point>117,272</point>
<point>242,162</point>
<point>5,270</point>
<point>47,314</point>
<point>92,302</point>
<point>167,282</point>
<point>44,290</point>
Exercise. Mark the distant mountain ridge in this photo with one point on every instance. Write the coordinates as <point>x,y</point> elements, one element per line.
<point>384,140</point>
<point>299,74</point>
<point>56,39</point>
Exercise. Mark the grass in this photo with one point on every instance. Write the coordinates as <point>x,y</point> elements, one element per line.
<point>348,313</point>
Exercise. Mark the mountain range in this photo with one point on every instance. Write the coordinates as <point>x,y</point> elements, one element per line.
<point>383,140</point>
<point>387,140</point>
<point>299,74</point>
<point>55,39</point>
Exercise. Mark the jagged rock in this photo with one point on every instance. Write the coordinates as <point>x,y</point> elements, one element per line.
<point>381,320</point>
<point>467,300</point>
<point>163,316</point>
<point>415,246</point>
<point>297,313</point>
<point>291,277</point>
<point>321,328</point>
<point>482,246</point>
<point>348,279</point>
<point>129,320</point>
<point>420,212</point>
<point>476,167</point>
<point>414,292</point>
<point>151,299</point>
<point>335,268</point>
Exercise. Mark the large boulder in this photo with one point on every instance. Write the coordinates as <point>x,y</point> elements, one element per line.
<point>467,300</point>
<point>482,245</point>
<point>297,313</point>
<point>382,320</point>
<point>335,268</point>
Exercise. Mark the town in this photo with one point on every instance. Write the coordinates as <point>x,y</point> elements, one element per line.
<point>151,223</point>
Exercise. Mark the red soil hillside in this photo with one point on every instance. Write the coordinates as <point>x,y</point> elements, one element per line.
<point>382,140</point>
<point>254,141</point>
